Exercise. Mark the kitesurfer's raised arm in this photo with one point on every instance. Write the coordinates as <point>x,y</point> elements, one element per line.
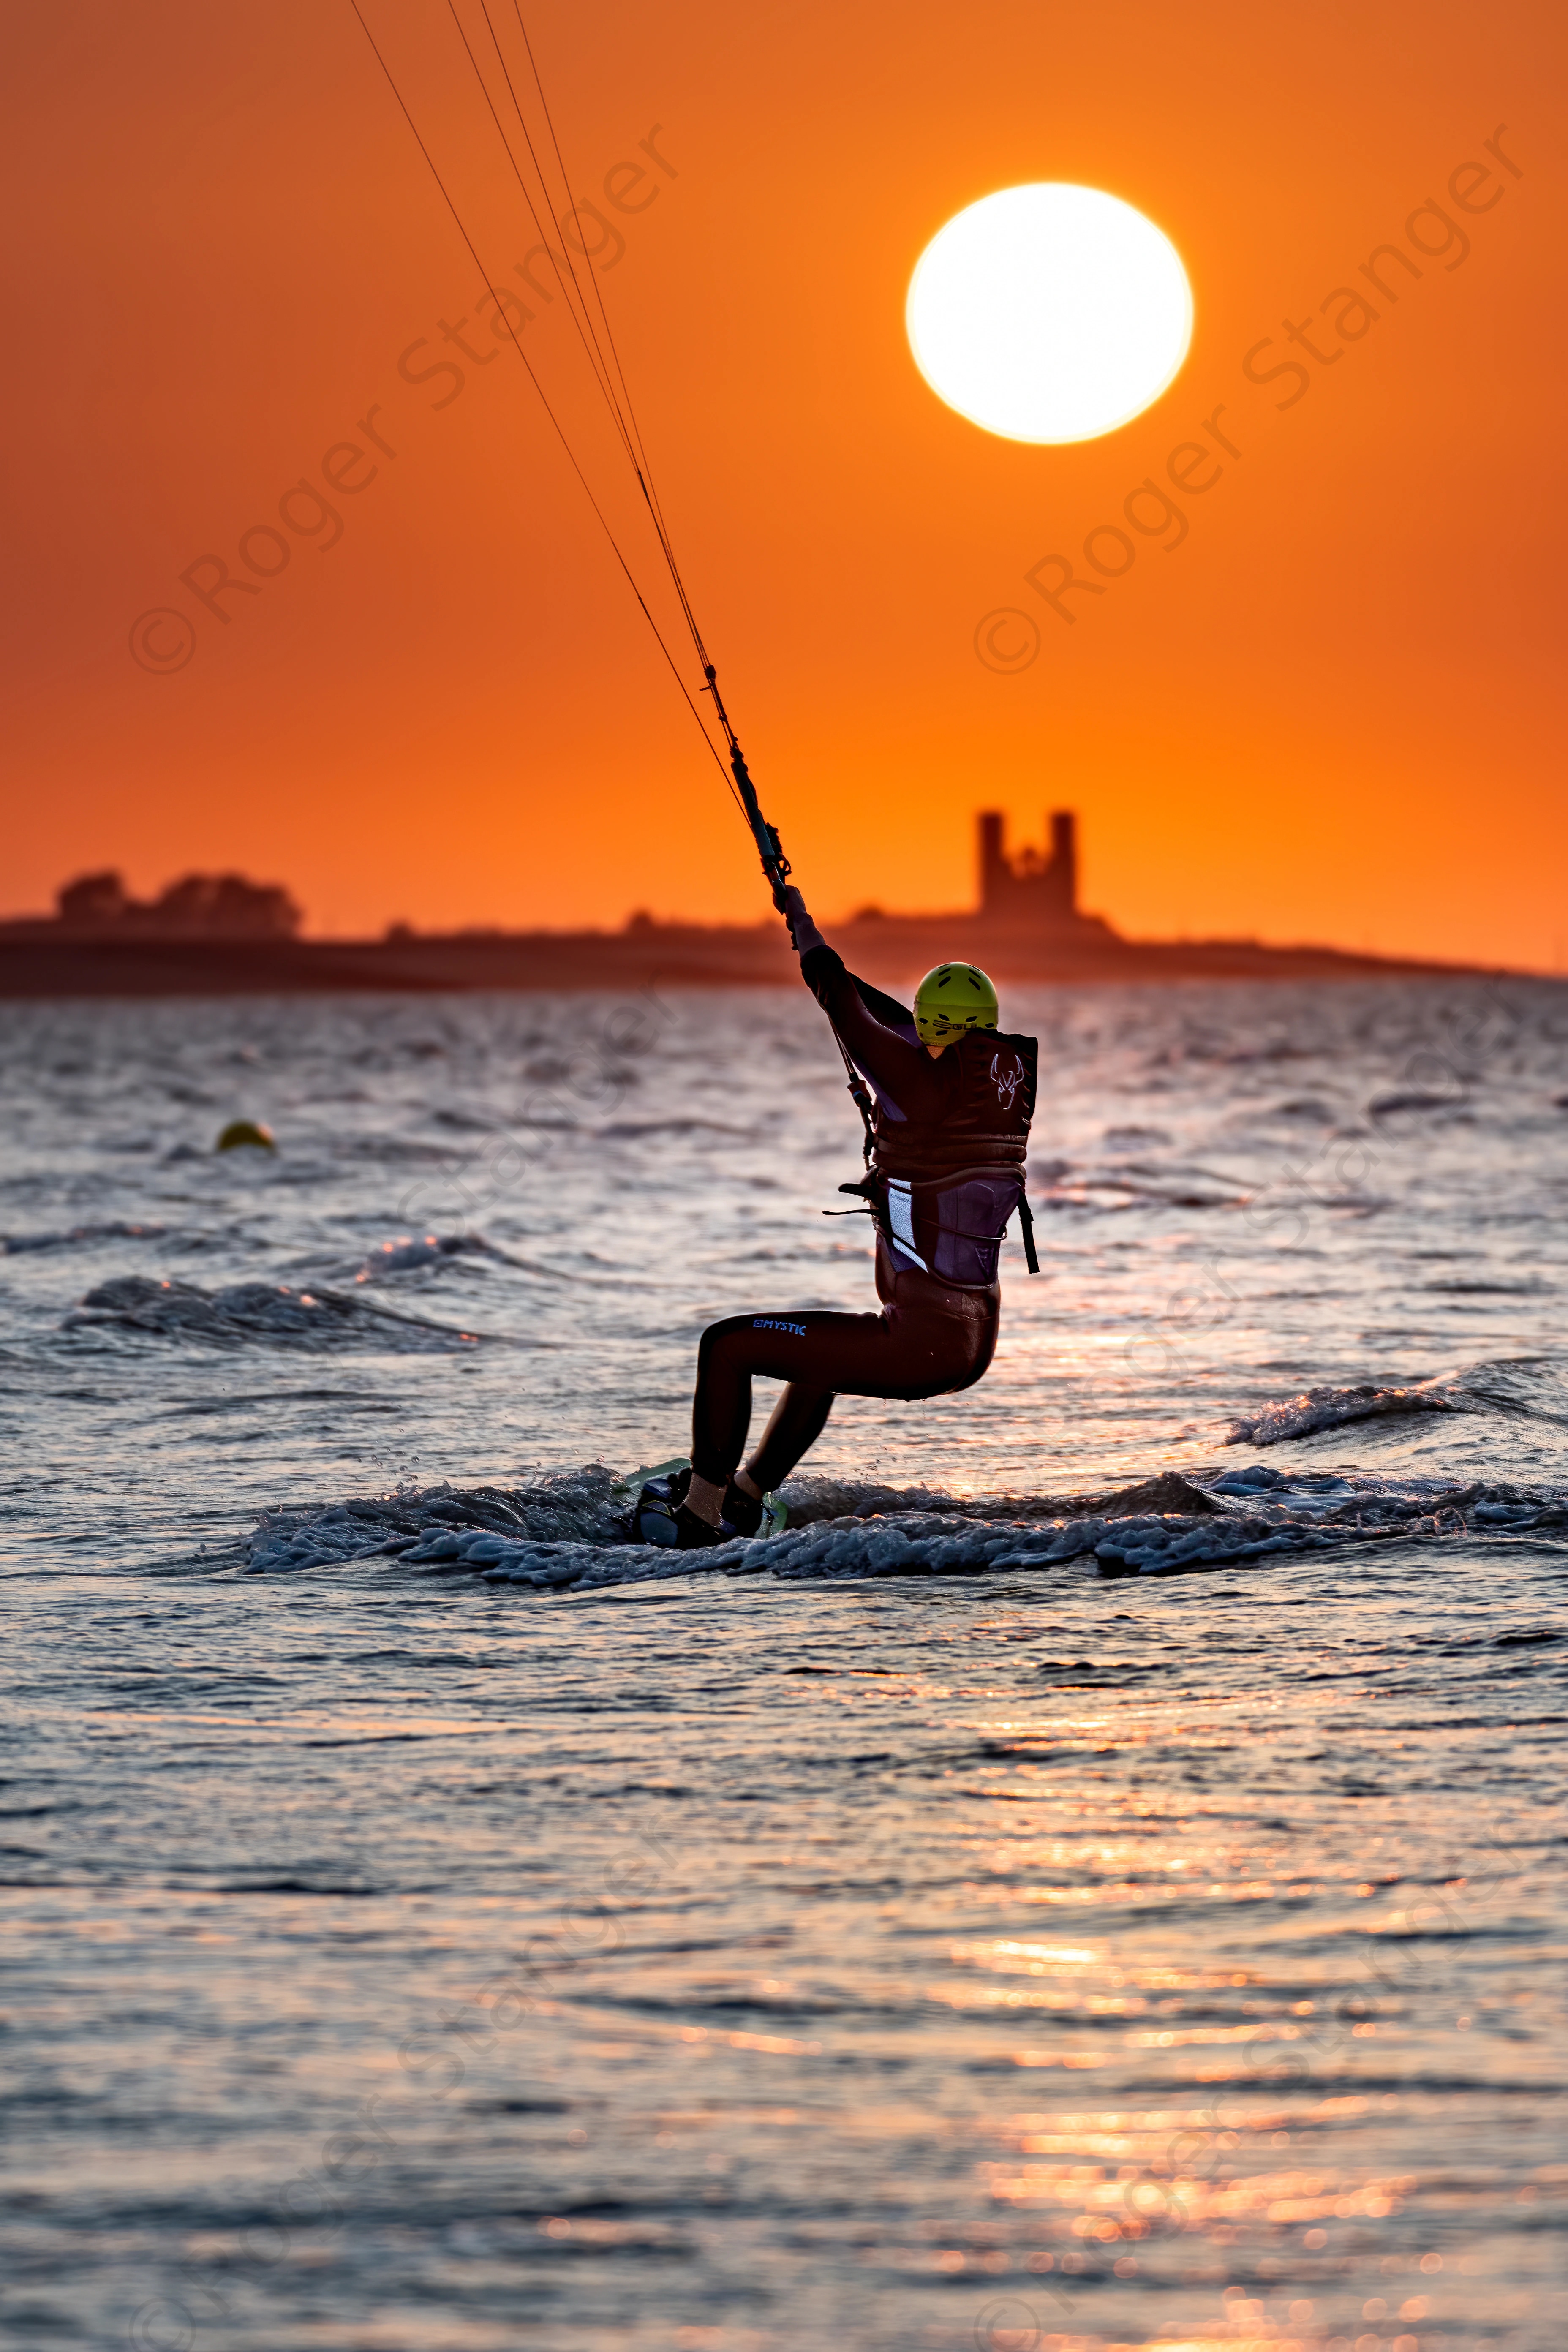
<point>899,1067</point>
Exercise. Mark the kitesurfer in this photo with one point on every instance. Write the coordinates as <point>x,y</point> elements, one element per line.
<point>954,1099</point>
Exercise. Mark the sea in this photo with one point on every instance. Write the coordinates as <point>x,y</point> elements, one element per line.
<point>1094,1879</point>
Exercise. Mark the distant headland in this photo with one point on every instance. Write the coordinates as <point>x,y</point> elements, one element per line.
<point>220,934</point>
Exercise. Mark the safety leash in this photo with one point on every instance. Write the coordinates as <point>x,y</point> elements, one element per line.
<point>1026,1227</point>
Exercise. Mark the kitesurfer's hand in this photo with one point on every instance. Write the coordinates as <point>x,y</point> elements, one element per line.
<point>803,934</point>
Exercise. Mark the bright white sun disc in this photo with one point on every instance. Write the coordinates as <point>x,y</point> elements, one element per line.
<point>1049,312</point>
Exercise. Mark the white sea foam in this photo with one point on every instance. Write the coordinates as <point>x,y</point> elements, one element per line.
<point>571,1529</point>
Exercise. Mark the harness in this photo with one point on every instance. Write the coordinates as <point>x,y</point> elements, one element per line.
<point>964,1254</point>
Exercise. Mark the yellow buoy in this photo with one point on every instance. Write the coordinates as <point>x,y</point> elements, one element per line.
<point>242,1131</point>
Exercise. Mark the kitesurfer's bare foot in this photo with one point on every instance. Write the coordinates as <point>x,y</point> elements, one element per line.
<point>748,1486</point>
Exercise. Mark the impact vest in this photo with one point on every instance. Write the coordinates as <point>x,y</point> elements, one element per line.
<point>944,1189</point>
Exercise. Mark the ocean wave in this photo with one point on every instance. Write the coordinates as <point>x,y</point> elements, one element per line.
<point>1130,1186</point>
<point>628,1130</point>
<point>409,1253</point>
<point>569,1530</point>
<point>78,1237</point>
<point>1529,1387</point>
<point>1533,1286</point>
<point>1414,1098</point>
<point>1330,1408</point>
<point>271,1312</point>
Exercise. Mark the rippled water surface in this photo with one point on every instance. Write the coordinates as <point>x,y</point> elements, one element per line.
<point>999,1915</point>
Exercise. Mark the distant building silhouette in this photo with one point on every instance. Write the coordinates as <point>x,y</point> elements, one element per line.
<point>198,907</point>
<point>1031,889</point>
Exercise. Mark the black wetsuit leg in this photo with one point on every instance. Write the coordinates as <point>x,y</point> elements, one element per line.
<point>794,1424</point>
<point>929,1339</point>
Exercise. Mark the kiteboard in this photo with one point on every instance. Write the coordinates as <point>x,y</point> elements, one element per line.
<point>660,1490</point>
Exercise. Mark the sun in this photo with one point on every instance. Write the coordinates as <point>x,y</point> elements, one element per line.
<point>1049,312</point>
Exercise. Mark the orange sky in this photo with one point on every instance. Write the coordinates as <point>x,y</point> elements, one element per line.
<point>1333,712</point>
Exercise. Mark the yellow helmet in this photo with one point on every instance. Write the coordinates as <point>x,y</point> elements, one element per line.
<point>951,999</point>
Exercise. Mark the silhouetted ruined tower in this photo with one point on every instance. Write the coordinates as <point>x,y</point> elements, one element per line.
<point>1030,887</point>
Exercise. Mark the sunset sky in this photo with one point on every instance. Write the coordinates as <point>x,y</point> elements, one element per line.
<point>1333,712</point>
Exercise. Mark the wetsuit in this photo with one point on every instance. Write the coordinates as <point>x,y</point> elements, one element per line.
<point>950,1139</point>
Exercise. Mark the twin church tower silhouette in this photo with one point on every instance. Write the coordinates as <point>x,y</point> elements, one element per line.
<point>1032,889</point>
